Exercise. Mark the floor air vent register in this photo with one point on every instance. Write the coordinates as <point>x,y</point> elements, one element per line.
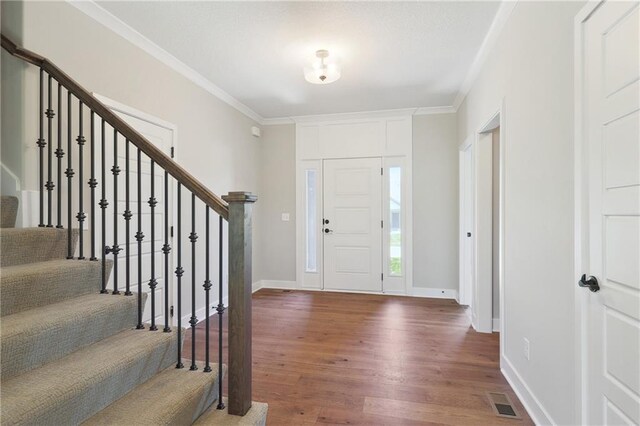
<point>502,405</point>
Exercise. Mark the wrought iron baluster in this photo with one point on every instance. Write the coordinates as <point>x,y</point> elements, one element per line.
<point>103,206</point>
<point>166,249</point>
<point>80,216</point>
<point>220,310</point>
<point>153,282</point>
<point>179,273</point>
<point>41,144</point>
<point>59,154</point>
<point>69,173</point>
<point>92,184</point>
<point>193,237</point>
<point>207,288</point>
<point>115,249</point>
<point>127,217</point>
<point>139,239</point>
<point>49,185</point>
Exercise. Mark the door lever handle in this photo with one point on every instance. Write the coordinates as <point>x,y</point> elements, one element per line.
<point>591,283</point>
<point>327,231</point>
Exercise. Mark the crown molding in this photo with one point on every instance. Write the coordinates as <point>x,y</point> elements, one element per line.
<point>402,112</point>
<point>96,12</point>
<point>435,110</point>
<point>489,42</point>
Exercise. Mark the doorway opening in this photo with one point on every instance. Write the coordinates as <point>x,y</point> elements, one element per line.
<point>481,226</point>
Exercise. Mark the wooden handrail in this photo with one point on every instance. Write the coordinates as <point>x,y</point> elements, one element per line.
<point>159,157</point>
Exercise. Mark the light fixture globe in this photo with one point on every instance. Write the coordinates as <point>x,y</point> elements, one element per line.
<point>322,71</point>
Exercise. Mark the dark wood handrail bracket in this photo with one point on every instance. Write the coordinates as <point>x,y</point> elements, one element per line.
<point>163,160</point>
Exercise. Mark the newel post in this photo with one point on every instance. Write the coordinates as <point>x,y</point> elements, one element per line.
<point>240,289</point>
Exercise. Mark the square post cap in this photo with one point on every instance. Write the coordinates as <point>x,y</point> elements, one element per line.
<point>240,197</point>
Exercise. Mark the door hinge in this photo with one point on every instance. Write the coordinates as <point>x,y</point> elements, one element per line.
<point>382,224</point>
<point>171,311</point>
<point>173,152</point>
<point>382,276</point>
<point>381,171</point>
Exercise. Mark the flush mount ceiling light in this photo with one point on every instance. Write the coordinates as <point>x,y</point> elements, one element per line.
<point>322,71</point>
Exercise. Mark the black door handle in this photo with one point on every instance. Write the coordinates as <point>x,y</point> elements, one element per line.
<point>591,283</point>
<point>327,231</point>
<point>468,234</point>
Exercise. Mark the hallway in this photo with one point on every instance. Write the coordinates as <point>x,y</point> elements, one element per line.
<point>339,358</point>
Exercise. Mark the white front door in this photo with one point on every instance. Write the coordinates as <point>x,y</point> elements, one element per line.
<point>162,137</point>
<point>353,224</point>
<point>612,141</point>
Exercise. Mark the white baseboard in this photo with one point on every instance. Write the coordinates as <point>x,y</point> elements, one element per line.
<point>29,205</point>
<point>536,411</point>
<point>496,325</point>
<point>435,293</point>
<point>201,313</point>
<point>277,284</point>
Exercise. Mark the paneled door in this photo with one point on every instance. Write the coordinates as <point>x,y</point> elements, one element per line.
<point>352,224</point>
<point>611,96</point>
<point>162,137</point>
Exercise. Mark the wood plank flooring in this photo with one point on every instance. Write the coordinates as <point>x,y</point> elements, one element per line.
<point>338,358</point>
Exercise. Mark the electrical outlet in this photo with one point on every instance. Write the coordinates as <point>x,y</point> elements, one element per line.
<point>527,349</point>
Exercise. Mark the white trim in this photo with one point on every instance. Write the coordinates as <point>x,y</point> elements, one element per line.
<point>200,314</point>
<point>130,111</point>
<point>435,110</point>
<point>499,21</point>
<point>496,325</point>
<point>29,205</point>
<point>93,10</point>
<point>434,293</point>
<point>431,293</point>
<point>581,248</point>
<point>277,121</point>
<point>531,403</point>
<point>276,284</point>
<point>361,115</point>
<point>13,177</point>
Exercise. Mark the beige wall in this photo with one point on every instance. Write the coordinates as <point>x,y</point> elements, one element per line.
<point>277,251</point>
<point>214,140</point>
<point>531,69</point>
<point>435,201</point>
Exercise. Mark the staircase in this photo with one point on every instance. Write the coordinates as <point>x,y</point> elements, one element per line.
<point>70,355</point>
<point>73,351</point>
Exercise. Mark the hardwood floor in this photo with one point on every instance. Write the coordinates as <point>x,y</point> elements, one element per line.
<point>338,358</point>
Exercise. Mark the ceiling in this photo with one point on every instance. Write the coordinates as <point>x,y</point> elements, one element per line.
<point>393,54</point>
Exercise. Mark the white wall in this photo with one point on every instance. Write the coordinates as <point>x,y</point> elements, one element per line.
<point>214,139</point>
<point>435,201</point>
<point>531,68</point>
<point>277,250</point>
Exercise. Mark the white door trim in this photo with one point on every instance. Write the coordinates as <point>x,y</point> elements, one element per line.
<point>581,215</point>
<point>370,135</point>
<point>141,115</point>
<point>485,317</point>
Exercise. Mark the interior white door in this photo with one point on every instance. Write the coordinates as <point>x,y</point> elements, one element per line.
<point>353,224</point>
<point>162,137</point>
<point>468,232</point>
<point>612,101</point>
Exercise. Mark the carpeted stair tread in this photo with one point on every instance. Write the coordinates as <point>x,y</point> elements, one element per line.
<point>172,397</point>
<point>28,245</point>
<point>75,387</point>
<point>8,211</point>
<point>37,284</point>
<point>256,416</point>
<point>34,337</point>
